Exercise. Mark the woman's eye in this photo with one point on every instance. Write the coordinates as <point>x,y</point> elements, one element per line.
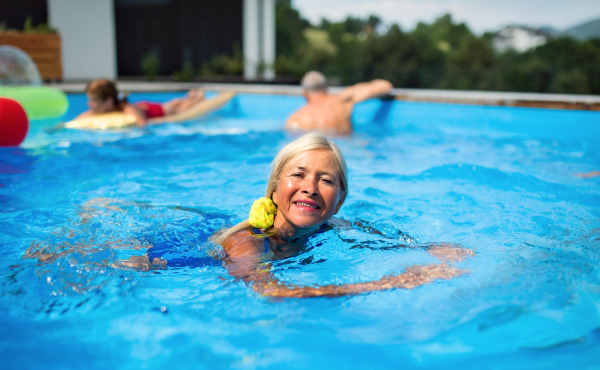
<point>328,181</point>
<point>296,175</point>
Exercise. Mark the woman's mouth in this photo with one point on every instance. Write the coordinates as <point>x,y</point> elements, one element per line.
<point>307,205</point>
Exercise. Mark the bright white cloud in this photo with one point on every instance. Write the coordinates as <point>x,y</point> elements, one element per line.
<point>480,15</point>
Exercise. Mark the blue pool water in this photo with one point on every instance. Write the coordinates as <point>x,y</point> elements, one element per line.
<point>76,207</point>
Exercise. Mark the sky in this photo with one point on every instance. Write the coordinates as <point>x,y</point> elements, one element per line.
<point>479,15</point>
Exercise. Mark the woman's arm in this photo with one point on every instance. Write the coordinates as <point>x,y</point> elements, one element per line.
<point>244,251</point>
<point>141,119</point>
<point>413,277</point>
<point>87,113</point>
<point>263,282</point>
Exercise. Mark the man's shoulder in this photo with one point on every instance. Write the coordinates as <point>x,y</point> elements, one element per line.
<point>299,117</point>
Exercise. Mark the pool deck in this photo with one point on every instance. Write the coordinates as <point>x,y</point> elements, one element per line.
<point>511,99</point>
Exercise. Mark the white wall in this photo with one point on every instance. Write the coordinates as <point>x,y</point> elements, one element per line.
<point>251,38</point>
<point>259,38</point>
<point>268,33</point>
<point>87,29</point>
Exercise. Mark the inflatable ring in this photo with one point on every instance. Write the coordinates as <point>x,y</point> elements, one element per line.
<point>39,101</point>
<point>103,121</point>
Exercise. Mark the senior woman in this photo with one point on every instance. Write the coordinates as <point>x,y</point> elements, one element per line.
<point>307,186</point>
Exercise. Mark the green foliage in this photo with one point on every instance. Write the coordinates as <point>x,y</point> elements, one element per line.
<point>532,75</point>
<point>289,28</point>
<point>186,73</point>
<point>572,81</point>
<point>41,28</point>
<point>27,26</point>
<point>224,64</point>
<point>469,67</point>
<point>353,25</point>
<point>446,35</point>
<point>150,65</point>
<point>443,54</point>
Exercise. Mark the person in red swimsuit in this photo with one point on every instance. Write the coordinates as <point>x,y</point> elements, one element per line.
<point>103,97</point>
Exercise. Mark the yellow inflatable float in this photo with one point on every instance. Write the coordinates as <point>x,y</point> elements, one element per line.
<point>120,120</point>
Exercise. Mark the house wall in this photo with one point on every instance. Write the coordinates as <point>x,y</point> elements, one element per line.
<point>109,38</point>
<point>518,39</point>
<point>87,29</point>
<point>176,32</point>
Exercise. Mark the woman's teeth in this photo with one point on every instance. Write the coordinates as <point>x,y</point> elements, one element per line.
<point>307,205</point>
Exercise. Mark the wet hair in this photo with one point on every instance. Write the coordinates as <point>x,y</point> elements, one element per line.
<point>314,81</point>
<point>308,142</point>
<point>102,89</point>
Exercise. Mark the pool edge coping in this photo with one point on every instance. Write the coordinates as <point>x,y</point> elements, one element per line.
<point>492,98</point>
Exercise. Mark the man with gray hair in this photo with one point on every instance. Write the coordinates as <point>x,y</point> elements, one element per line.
<point>330,113</point>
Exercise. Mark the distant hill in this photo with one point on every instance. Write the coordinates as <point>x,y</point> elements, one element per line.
<point>584,31</point>
<point>550,31</point>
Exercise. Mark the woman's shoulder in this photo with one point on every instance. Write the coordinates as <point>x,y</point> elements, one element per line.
<point>244,243</point>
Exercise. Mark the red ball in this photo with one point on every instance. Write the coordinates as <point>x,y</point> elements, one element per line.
<point>13,122</point>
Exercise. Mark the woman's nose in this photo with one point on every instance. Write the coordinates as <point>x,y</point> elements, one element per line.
<point>309,186</point>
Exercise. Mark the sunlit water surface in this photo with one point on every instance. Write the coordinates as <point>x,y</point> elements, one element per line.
<point>74,205</point>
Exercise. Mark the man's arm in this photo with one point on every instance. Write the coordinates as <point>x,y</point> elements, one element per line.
<point>366,90</point>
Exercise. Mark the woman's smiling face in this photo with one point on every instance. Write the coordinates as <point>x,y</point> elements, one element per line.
<point>309,191</point>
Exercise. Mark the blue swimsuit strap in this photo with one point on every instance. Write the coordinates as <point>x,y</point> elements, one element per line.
<point>266,238</point>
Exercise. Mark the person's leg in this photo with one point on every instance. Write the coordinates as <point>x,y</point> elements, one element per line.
<point>180,104</point>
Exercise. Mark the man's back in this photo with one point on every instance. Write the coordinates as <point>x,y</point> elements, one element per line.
<point>327,113</point>
<point>331,113</point>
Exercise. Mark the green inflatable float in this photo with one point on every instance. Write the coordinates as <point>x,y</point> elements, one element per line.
<point>39,101</point>
<point>20,80</point>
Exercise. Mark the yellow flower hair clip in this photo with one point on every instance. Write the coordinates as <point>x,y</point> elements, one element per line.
<point>262,214</point>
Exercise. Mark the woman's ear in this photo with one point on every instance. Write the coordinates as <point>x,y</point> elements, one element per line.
<point>274,197</point>
<point>340,203</point>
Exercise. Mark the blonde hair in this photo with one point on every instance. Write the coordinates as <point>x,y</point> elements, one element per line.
<point>308,142</point>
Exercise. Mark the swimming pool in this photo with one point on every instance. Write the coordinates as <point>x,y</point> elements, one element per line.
<point>75,206</point>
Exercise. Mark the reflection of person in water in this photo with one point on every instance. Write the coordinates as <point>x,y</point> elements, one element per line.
<point>331,113</point>
<point>103,97</point>
<point>588,174</point>
<point>307,186</point>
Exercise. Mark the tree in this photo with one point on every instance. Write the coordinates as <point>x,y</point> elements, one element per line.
<point>470,66</point>
<point>289,26</point>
